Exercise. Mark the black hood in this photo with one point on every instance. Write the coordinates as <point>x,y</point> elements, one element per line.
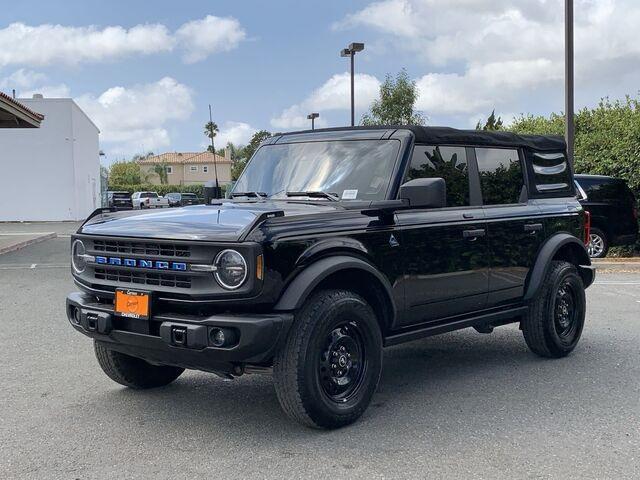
<point>227,222</point>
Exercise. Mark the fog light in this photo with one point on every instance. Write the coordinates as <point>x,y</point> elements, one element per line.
<point>218,337</point>
<point>75,315</point>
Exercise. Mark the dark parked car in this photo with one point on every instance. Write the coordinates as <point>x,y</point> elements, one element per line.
<point>614,216</point>
<point>182,199</point>
<point>335,244</point>
<point>119,200</point>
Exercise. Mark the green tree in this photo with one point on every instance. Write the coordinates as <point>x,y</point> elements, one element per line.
<point>242,154</point>
<point>491,124</point>
<point>607,138</point>
<point>125,173</point>
<point>396,103</point>
<point>211,131</point>
<point>160,169</point>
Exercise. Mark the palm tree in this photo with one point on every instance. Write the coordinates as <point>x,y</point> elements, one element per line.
<point>210,131</point>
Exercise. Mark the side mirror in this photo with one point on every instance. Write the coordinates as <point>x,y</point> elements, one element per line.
<point>425,193</point>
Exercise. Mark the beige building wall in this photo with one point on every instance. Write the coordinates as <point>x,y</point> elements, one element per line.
<point>190,173</point>
<point>205,172</point>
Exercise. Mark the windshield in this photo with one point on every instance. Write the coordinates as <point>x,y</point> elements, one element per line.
<point>148,195</point>
<point>189,195</point>
<point>350,170</point>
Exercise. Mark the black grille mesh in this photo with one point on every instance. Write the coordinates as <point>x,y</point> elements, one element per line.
<point>143,278</point>
<point>142,248</point>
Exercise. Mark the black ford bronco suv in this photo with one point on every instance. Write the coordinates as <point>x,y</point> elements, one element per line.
<point>332,245</point>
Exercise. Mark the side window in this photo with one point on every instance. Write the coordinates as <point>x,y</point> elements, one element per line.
<point>500,175</point>
<point>449,163</point>
<point>551,172</point>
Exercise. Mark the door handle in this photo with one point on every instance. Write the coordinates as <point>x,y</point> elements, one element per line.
<point>473,234</point>
<point>533,227</point>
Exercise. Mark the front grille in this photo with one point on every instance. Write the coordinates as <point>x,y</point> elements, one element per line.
<point>143,278</point>
<point>142,248</point>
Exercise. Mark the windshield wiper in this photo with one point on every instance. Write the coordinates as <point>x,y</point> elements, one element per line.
<point>249,194</point>
<point>329,196</point>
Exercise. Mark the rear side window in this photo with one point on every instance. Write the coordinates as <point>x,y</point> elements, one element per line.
<point>551,172</point>
<point>448,163</point>
<point>612,190</point>
<point>500,175</point>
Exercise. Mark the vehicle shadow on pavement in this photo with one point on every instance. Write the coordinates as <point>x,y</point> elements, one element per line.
<point>430,380</point>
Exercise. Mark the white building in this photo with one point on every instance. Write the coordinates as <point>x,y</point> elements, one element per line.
<point>52,172</point>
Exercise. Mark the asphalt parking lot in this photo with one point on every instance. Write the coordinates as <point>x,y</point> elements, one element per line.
<point>462,405</point>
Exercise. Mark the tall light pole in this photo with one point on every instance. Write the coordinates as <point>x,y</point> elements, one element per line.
<point>570,132</point>
<point>213,151</point>
<point>351,52</point>
<point>312,117</point>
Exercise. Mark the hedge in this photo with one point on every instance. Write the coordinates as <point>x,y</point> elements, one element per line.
<point>162,189</point>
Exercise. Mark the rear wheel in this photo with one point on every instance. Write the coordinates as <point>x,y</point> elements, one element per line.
<point>554,323</point>
<point>133,372</point>
<point>329,368</point>
<point>598,245</point>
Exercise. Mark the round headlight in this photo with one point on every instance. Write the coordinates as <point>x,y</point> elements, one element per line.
<point>231,269</point>
<point>78,252</point>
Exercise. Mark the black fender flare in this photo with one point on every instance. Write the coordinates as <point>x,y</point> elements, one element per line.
<point>304,283</point>
<point>546,255</point>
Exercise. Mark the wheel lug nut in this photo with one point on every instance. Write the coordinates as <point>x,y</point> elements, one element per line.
<point>342,349</point>
<point>333,365</point>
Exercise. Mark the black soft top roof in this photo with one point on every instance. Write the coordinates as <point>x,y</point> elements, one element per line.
<point>452,136</point>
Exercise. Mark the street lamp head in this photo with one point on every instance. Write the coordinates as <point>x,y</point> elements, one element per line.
<point>312,116</point>
<point>345,52</point>
<point>356,47</point>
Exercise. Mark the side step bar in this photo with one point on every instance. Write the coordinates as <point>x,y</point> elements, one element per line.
<point>422,331</point>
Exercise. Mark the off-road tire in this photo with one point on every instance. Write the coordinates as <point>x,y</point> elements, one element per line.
<point>540,326</point>
<point>133,372</point>
<point>297,370</point>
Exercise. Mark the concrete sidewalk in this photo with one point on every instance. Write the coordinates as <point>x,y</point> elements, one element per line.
<point>10,242</point>
<point>618,265</point>
<point>33,228</point>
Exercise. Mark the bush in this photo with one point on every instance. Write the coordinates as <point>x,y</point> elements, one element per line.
<point>607,143</point>
<point>162,189</point>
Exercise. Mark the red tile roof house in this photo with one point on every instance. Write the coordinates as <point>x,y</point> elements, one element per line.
<point>14,114</point>
<point>189,168</point>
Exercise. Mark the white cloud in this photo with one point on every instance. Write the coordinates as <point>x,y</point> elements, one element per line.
<point>238,133</point>
<point>48,91</point>
<point>201,38</point>
<point>22,79</point>
<point>48,44</point>
<point>334,94</point>
<point>134,119</point>
<point>27,83</point>
<point>501,53</point>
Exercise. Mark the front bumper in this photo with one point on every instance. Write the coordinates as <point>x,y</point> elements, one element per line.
<point>182,340</point>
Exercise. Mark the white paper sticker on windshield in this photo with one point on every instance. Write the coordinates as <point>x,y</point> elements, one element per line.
<point>349,194</point>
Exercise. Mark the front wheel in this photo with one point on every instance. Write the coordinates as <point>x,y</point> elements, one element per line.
<point>133,372</point>
<point>329,368</point>
<point>553,325</point>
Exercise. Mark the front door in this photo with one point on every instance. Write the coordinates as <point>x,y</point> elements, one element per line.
<point>445,250</point>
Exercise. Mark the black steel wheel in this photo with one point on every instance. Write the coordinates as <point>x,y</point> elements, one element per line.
<point>566,320</point>
<point>329,367</point>
<point>343,362</point>
<point>553,326</point>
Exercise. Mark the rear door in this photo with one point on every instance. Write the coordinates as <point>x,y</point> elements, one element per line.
<point>515,226</point>
<point>445,250</point>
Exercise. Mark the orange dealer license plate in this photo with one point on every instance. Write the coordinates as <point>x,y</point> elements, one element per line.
<point>132,304</point>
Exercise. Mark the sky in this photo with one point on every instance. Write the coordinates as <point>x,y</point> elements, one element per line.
<point>145,72</point>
